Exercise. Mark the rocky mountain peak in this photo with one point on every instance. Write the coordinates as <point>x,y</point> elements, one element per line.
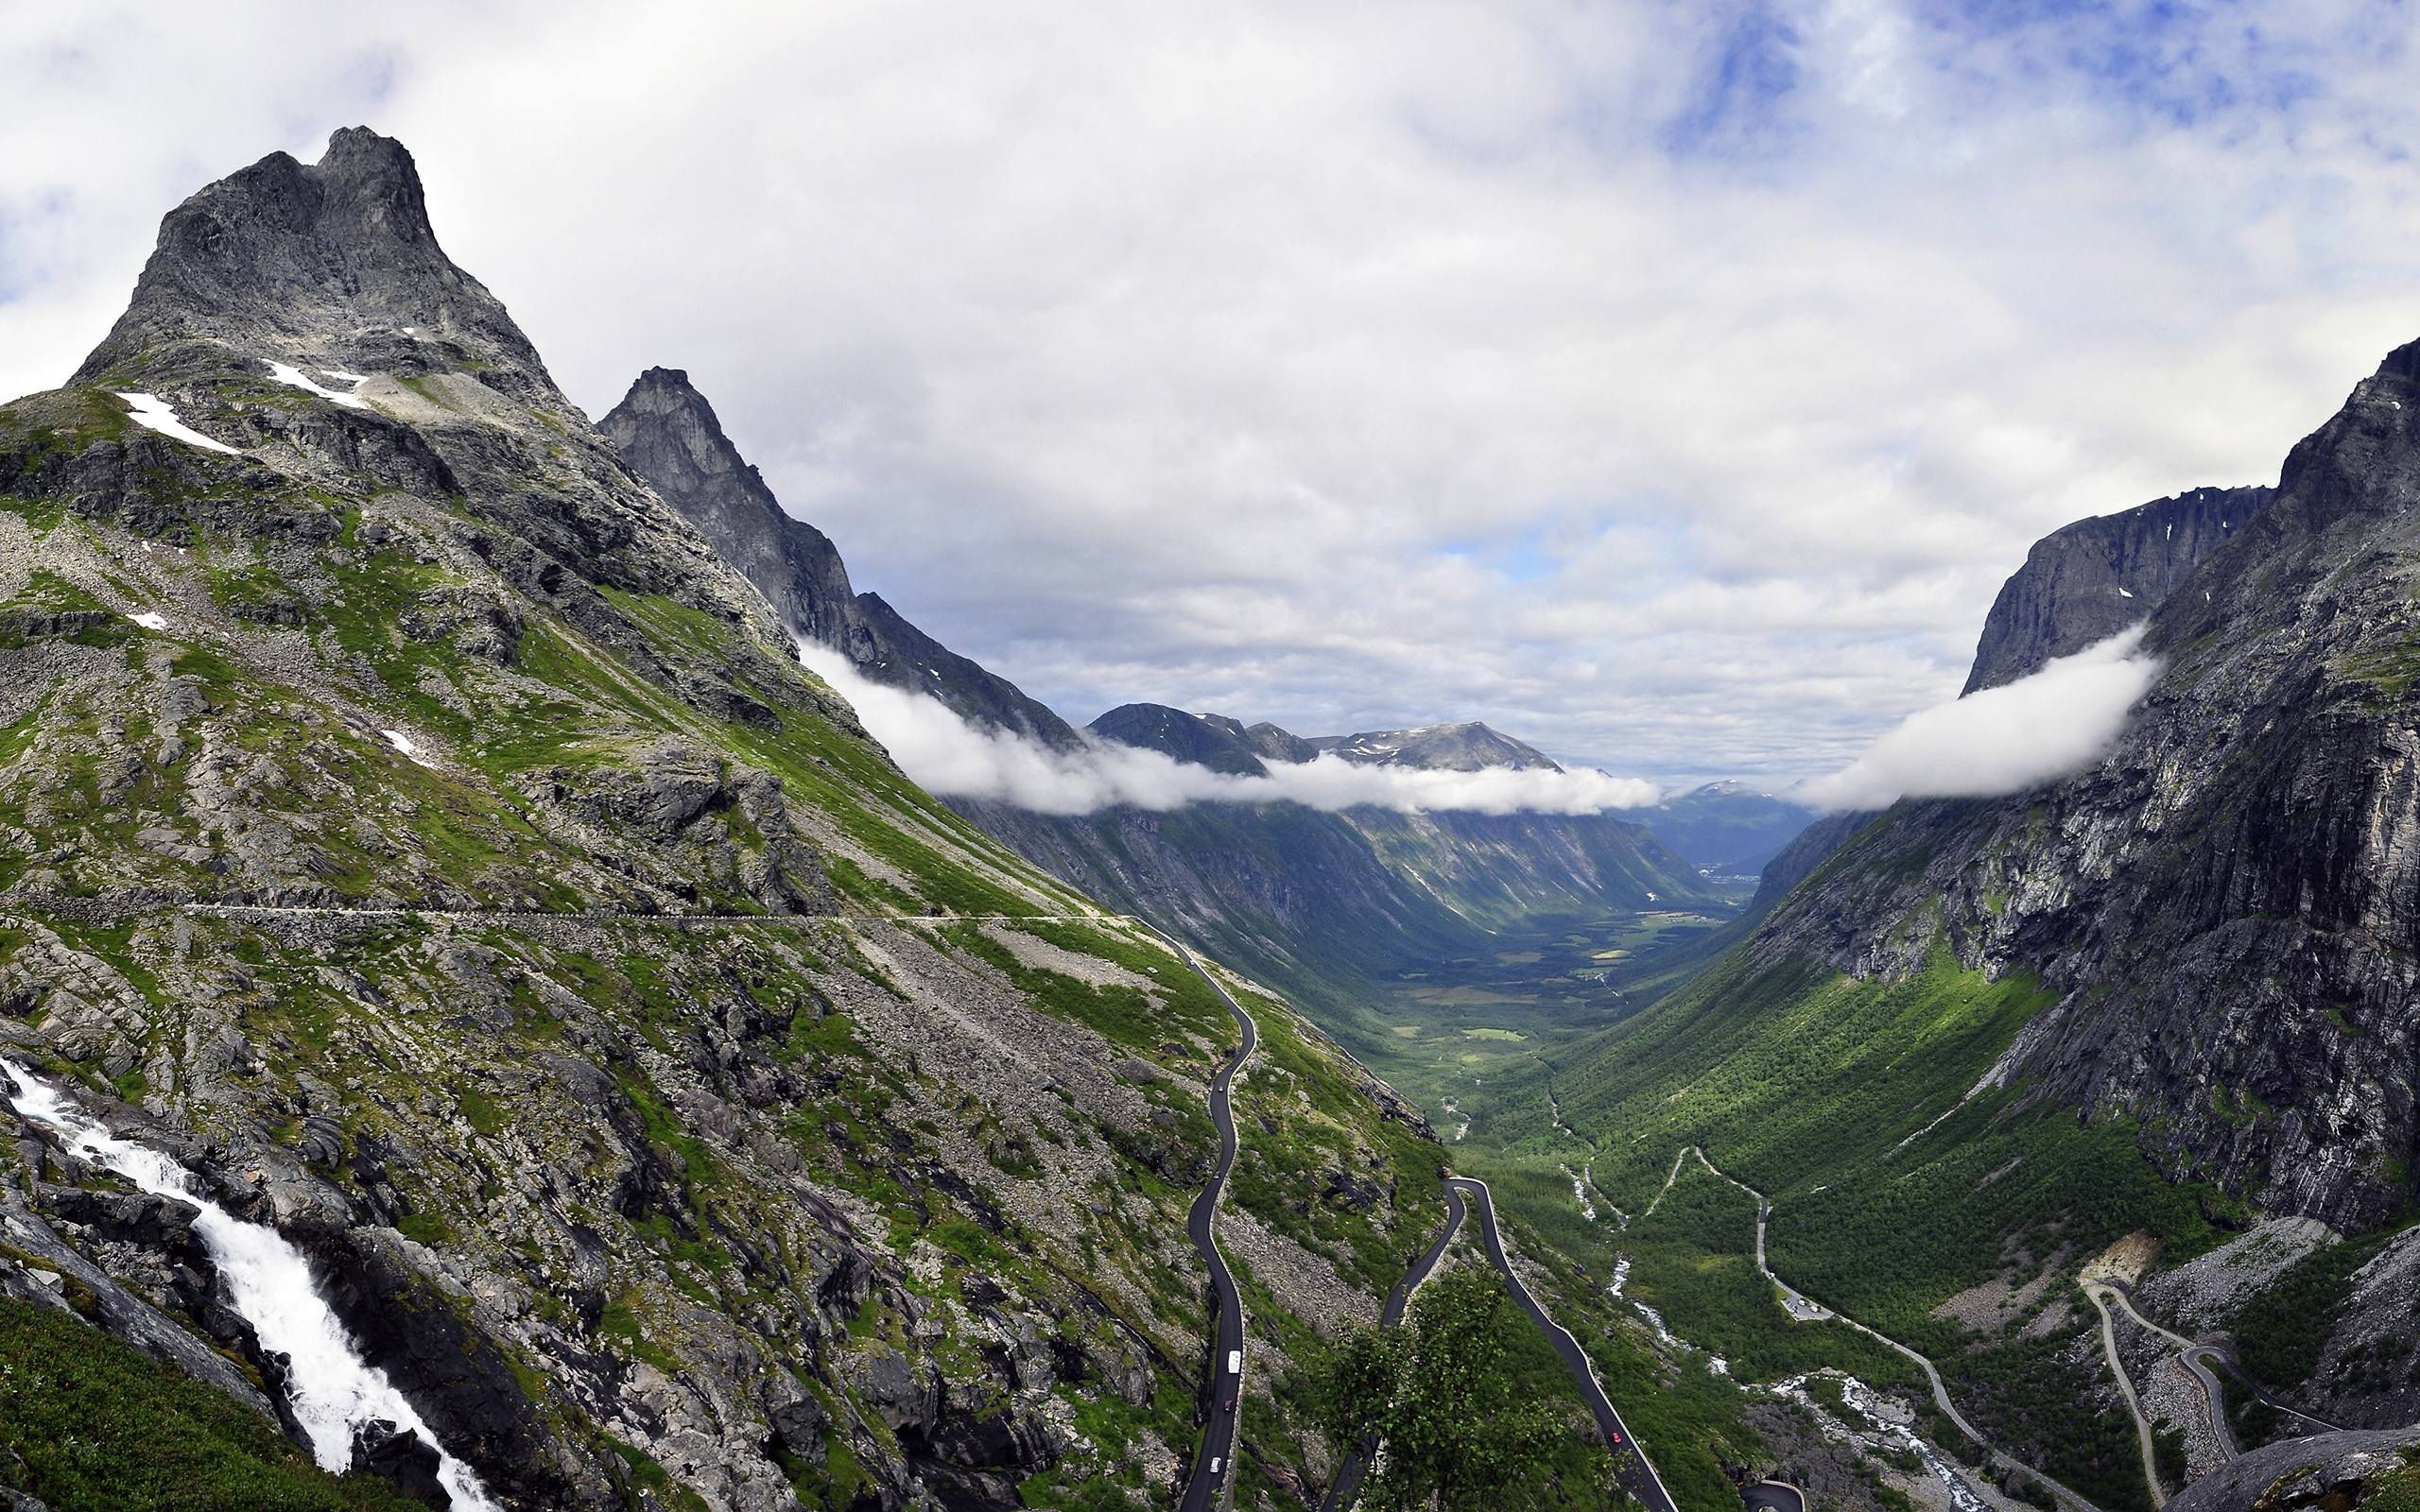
<point>666,422</point>
<point>2086,581</point>
<point>1277,744</point>
<point>1467,747</point>
<point>334,262</point>
<point>668,433</point>
<point>1214,740</point>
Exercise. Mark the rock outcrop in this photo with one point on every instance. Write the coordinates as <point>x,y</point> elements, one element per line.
<point>670,437</point>
<point>2328,1472</point>
<point>2220,902</point>
<point>2090,580</point>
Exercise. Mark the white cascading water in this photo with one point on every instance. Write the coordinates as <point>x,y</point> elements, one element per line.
<point>330,1388</point>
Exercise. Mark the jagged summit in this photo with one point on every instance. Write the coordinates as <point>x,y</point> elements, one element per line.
<point>334,262</point>
<point>670,435</point>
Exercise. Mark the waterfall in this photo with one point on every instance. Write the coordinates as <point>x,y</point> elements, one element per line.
<point>331,1389</point>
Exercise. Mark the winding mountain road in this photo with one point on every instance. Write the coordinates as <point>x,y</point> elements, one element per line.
<point>1222,1387</point>
<point>1347,1483</point>
<point>1810,1311</point>
<point>1635,1470</point>
<point>2193,1354</point>
<point>2098,1296</point>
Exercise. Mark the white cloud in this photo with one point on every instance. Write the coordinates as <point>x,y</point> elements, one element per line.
<point>946,755</point>
<point>2036,730</point>
<point>1361,364</point>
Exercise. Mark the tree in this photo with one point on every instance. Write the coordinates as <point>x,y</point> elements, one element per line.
<point>1456,1427</point>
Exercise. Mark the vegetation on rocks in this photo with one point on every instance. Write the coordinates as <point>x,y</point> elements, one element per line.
<point>1451,1398</point>
<point>87,1424</point>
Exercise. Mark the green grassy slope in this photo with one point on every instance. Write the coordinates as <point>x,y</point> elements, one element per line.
<point>89,1425</point>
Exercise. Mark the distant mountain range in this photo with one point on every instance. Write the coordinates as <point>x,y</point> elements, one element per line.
<point>1306,895</point>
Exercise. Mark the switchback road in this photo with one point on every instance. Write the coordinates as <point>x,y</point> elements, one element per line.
<point>1347,1483</point>
<point>1638,1473</point>
<point>1214,1462</point>
<point>2098,1296</point>
<point>1810,1311</point>
<point>2196,1354</point>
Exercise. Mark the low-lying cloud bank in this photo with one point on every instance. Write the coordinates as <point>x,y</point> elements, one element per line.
<point>2036,730</point>
<point>948,756</point>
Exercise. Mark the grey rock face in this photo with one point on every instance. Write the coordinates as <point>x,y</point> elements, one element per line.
<point>1277,744</point>
<point>2086,581</point>
<point>669,435</point>
<point>342,249</point>
<point>2226,899</point>
<point>2339,1473</point>
<point>888,649</point>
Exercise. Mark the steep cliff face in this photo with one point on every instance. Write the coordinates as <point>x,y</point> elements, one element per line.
<point>2223,903</point>
<point>411,823</point>
<point>668,434</point>
<point>2086,581</point>
<point>2162,1000</point>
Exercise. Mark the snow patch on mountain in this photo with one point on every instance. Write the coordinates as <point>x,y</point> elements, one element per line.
<point>152,413</point>
<point>295,378</point>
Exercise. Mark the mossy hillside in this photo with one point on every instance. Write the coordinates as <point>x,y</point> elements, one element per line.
<point>61,422</point>
<point>1318,1164</point>
<point>1793,1078</point>
<point>449,1086</point>
<point>411,629</point>
<point>118,779</point>
<point>87,1424</point>
<point>1785,1072</point>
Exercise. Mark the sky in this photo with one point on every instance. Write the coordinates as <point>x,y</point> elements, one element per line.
<point>1669,386</point>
